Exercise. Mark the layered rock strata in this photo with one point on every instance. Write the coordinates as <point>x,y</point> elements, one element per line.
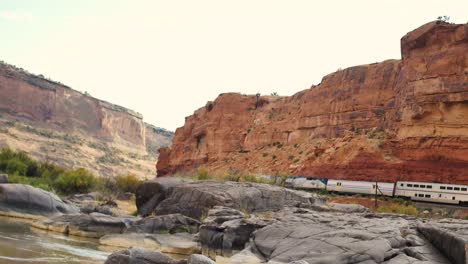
<point>53,122</point>
<point>394,120</point>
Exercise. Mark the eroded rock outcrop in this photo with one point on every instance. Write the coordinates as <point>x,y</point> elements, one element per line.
<point>195,199</point>
<point>395,120</point>
<point>306,236</point>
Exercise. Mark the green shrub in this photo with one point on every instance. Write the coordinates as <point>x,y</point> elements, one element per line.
<point>16,167</point>
<point>232,177</point>
<point>398,209</point>
<point>75,181</point>
<point>202,173</point>
<point>127,183</point>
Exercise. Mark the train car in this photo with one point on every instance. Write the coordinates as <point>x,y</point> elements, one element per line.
<point>361,187</point>
<point>304,183</point>
<point>433,192</point>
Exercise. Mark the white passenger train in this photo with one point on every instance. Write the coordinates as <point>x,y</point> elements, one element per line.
<point>416,191</point>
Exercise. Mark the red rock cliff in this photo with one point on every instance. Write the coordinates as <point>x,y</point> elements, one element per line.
<point>52,121</point>
<point>394,120</point>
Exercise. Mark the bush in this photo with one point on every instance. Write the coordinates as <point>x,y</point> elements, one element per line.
<point>16,167</point>
<point>398,209</point>
<point>75,181</point>
<point>232,177</point>
<point>127,183</point>
<point>202,173</point>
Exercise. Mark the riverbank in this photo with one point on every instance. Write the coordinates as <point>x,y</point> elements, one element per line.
<point>21,244</point>
<point>241,222</point>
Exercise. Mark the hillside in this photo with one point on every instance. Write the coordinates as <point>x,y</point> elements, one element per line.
<point>394,120</point>
<point>56,123</point>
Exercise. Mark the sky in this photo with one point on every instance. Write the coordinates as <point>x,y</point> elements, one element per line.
<point>167,58</point>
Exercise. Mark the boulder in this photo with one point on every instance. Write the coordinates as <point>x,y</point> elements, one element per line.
<point>172,223</point>
<point>94,225</point>
<point>22,200</point>
<point>226,230</point>
<point>137,255</point>
<point>182,244</point>
<point>3,178</point>
<point>150,193</point>
<point>194,199</point>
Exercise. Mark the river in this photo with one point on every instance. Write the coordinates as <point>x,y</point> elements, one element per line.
<point>21,244</point>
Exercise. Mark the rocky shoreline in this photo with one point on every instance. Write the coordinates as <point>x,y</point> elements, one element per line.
<point>231,222</point>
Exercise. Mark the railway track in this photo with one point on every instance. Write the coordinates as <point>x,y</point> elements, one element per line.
<point>441,206</point>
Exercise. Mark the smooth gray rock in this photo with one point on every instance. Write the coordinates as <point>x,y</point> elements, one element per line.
<point>453,245</point>
<point>328,237</point>
<point>22,200</point>
<point>151,193</point>
<point>137,255</point>
<point>91,208</point>
<point>221,214</point>
<point>3,178</point>
<point>181,243</point>
<point>226,230</point>
<point>348,208</point>
<point>172,223</point>
<point>199,259</point>
<point>93,225</point>
<point>86,197</point>
<point>194,199</point>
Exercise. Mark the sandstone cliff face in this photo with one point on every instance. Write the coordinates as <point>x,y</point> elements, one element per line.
<point>53,121</point>
<point>394,120</point>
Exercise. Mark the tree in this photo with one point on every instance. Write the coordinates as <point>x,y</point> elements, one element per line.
<point>274,94</point>
<point>445,19</point>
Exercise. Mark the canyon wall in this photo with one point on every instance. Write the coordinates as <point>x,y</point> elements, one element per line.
<point>395,120</point>
<point>52,121</point>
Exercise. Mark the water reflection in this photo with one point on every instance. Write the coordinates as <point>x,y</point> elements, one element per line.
<point>21,244</point>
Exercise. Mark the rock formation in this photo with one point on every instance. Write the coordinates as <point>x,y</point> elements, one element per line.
<point>394,120</point>
<point>24,201</point>
<point>54,122</point>
<point>195,199</point>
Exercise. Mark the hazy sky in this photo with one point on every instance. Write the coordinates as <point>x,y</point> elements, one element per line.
<point>165,59</point>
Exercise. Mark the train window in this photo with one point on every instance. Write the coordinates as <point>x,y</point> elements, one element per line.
<point>429,186</point>
<point>442,187</point>
<point>421,195</point>
<point>456,188</point>
<point>464,189</point>
<point>416,186</point>
<point>449,188</point>
<point>440,195</point>
<point>415,195</point>
<point>453,197</point>
<point>427,196</point>
<point>410,185</point>
<point>402,184</point>
<point>422,186</point>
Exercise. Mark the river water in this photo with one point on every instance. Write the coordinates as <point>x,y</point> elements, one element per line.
<point>19,243</point>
